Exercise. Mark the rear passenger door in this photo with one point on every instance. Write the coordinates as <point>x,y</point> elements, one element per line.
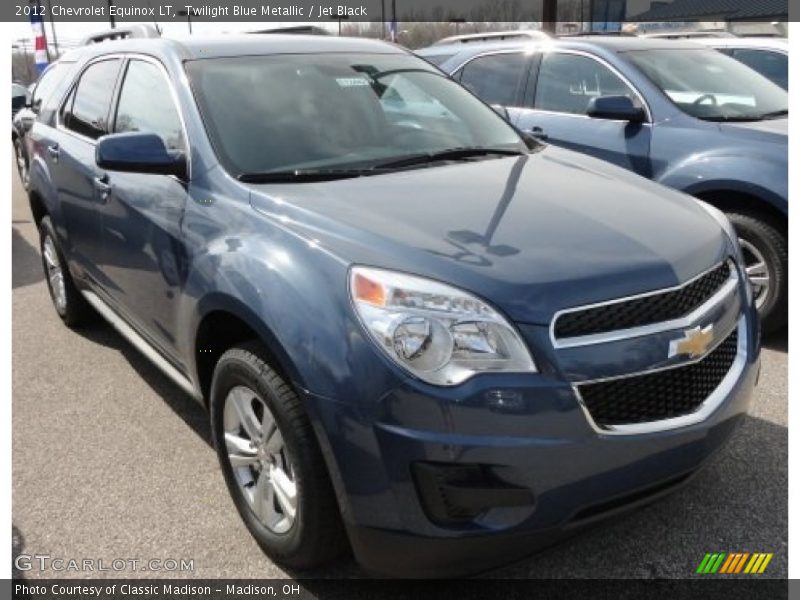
<point>142,213</point>
<point>69,152</point>
<point>498,78</point>
<point>555,110</point>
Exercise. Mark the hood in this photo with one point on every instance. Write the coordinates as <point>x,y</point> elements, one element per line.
<point>530,234</point>
<point>768,130</point>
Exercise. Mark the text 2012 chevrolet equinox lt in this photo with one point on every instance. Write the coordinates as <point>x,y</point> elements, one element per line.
<point>416,332</point>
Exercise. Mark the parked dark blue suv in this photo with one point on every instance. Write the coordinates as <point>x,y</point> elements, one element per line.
<point>415,331</point>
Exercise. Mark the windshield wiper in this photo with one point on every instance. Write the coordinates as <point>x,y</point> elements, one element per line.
<point>775,114</point>
<point>444,155</point>
<point>732,119</point>
<point>303,175</point>
<point>311,175</point>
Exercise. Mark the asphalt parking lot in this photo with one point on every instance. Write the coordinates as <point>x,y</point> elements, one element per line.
<point>112,461</point>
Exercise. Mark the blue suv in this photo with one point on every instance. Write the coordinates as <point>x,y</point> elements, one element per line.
<point>415,331</point>
<point>673,111</point>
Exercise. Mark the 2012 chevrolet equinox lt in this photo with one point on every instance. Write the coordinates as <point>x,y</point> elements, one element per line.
<point>415,331</point>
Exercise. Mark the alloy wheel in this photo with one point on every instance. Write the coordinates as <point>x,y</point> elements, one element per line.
<point>259,458</point>
<point>55,275</point>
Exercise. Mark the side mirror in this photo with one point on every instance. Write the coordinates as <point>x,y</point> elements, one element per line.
<point>619,108</point>
<point>138,152</point>
<point>502,111</point>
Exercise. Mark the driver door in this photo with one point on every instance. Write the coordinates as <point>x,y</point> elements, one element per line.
<point>142,213</point>
<point>555,111</point>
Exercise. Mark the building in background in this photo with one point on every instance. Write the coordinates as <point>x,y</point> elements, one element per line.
<point>744,17</point>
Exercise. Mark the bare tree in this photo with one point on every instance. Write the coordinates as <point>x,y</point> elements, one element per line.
<point>23,69</point>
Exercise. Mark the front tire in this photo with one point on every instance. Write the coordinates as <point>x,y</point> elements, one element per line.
<point>271,461</point>
<point>766,258</point>
<point>67,300</point>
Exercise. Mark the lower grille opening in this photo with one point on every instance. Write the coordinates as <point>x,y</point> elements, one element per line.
<point>662,395</point>
<point>597,510</point>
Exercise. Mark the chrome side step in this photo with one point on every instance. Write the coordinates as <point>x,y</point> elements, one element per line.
<point>140,343</point>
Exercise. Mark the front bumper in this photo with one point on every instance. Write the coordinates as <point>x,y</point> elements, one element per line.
<point>531,433</point>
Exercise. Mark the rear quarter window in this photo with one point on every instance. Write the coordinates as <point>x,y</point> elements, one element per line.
<point>86,111</point>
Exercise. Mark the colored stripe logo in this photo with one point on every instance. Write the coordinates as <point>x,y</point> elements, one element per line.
<point>734,563</point>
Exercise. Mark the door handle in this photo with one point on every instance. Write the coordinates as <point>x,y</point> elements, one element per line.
<point>54,151</point>
<point>538,133</point>
<point>103,187</point>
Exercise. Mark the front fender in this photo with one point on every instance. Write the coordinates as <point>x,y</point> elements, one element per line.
<point>763,179</point>
<point>292,293</point>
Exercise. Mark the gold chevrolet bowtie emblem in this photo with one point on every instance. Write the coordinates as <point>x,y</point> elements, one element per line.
<point>694,343</point>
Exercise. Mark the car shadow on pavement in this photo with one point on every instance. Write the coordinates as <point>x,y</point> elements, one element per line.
<point>187,408</point>
<point>17,547</point>
<point>26,266</point>
<point>778,341</point>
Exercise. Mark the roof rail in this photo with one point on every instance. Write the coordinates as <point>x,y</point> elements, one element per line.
<point>298,29</point>
<point>493,36</point>
<point>686,35</point>
<point>121,33</point>
<point>598,34</point>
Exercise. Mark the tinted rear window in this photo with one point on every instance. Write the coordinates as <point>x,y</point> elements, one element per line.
<point>91,100</point>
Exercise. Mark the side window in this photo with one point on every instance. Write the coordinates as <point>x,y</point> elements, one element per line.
<point>45,86</point>
<point>496,78</point>
<point>86,109</point>
<point>567,82</point>
<point>146,104</point>
<point>772,65</point>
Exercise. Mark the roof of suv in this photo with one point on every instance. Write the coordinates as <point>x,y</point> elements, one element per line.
<point>241,45</point>
<point>772,43</point>
<point>608,43</point>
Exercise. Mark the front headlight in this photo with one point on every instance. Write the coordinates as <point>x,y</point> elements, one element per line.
<point>436,332</point>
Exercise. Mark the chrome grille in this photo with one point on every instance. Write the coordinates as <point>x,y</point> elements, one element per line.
<point>642,310</point>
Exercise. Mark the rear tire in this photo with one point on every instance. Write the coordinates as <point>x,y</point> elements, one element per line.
<point>69,303</point>
<point>766,255</point>
<point>268,453</point>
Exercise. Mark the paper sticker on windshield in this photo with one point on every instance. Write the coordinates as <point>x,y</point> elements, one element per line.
<point>351,82</point>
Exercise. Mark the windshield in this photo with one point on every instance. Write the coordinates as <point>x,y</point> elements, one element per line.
<point>339,111</point>
<point>709,85</point>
